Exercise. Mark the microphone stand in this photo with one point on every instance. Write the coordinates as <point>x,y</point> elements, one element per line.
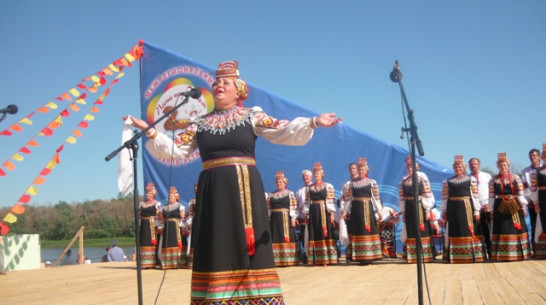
<point>132,144</point>
<point>396,76</point>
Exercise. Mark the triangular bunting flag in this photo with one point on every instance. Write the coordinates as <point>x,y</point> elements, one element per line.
<point>17,209</point>
<point>24,199</point>
<point>10,218</point>
<point>32,190</point>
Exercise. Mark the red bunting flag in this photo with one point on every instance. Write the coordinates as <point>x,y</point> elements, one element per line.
<point>5,132</point>
<point>25,150</point>
<point>24,199</point>
<point>47,132</point>
<point>83,124</point>
<point>65,113</point>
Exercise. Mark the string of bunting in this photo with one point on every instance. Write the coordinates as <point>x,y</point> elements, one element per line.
<point>98,80</point>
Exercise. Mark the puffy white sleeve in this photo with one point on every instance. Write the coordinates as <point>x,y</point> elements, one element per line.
<point>428,196</point>
<point>445,193</point>
<point>475,196</point>
<point>293,206</point>
<point>294,133</point>
<point>376,201</point>
<point>401,197</point>
<point>519,192</point>
<point>330,198</point>
<point>162,146</point>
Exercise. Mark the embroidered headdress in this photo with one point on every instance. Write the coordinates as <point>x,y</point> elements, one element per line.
<point>150,188</point>
<point>317,167</point>
<point>172,190</point>
<point>458,160</point>
<point>230,69</point>
<point>501,157</point>
<point>362,162</point>
<point>280,175</point>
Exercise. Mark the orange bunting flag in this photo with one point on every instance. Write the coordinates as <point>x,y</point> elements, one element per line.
<point>17,209</point>
<point>52,105</point>
<point>45,172</point>
<point>94,109</point>
<point>32,191</point>
<point>66,96</point>
<point>17,157</point>
<point>71,140</point>
<point>33,143</point>
<point>43,109</point>
<point>5,132</point>
<point>25,150</point>
<point>65,113</point>
<point>106,92</point>
<point>107,71</point>
<point>56,123</point>
<point>39,180</point>
<point>74,107</point>
<point>46,132</point>
<point>77,133</point>
<point>10,218</point>
<point>16,127</point>
<point>10,166</point>
<point>93,89</point>
<point>24,199</point>
<point>26,121</point>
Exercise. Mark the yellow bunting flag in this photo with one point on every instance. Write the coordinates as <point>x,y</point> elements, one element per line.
<point>120,75</point>
<point>51,164</point>
<point>74,92</point>
<point>17,157</point>
<point>10,218</point>
<point>113,67</point>
<point>129,57</point>
<point>32,190</point>
<point>81,101</point>
<point>71,140</point>
<point>89,117</point>
<point>51,105</point>
<point>26,121</point>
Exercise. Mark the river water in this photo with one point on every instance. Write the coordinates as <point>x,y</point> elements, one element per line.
<point>95,254</point>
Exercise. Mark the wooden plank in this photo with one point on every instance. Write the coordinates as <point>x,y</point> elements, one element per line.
<point>387,283</point>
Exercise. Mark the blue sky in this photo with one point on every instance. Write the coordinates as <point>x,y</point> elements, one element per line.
<point>472,71</point>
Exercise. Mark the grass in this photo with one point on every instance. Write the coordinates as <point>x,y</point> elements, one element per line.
<point>89,242</point>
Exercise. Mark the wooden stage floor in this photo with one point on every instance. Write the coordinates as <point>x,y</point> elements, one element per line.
<point>387,282</point>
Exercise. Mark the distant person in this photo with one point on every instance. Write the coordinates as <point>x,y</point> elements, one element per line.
<point>538,189</point>
<point>509,238</point>
<point>526,173</point>
<point>482,182</point>
<point>67,259</point>
<point>105,256</point>
<point>115,254</point>
<point>48,264</point>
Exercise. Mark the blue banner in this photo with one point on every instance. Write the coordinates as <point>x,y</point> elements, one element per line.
<point>165,74</point>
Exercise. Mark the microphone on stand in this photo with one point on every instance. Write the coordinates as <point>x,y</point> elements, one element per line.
<point>396,75</point>
<point>11,109</point>
<point>193,93</point>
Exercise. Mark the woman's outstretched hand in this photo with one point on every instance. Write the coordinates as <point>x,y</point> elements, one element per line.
<point>138,123</point>
<point>327,120</point>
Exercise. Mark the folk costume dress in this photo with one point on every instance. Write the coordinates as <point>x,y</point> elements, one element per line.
<point>464,239</point>
<point>406,206</point>
<point>148,240</point>
<point>509,237</point>
<point>232,253</point>
<point>283,209</point>
<point>538,194</point>
<point>172,245</point>
<point>322,244</point>
<point>364,204</point>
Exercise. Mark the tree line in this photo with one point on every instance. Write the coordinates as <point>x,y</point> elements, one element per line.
<point>101,219</point>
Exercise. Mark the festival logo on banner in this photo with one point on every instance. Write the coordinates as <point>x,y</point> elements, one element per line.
<point>177,122</point>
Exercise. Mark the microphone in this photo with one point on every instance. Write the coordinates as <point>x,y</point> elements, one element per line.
<point>11,109</point>
<point>396,75</point>
<point>193,93</point>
